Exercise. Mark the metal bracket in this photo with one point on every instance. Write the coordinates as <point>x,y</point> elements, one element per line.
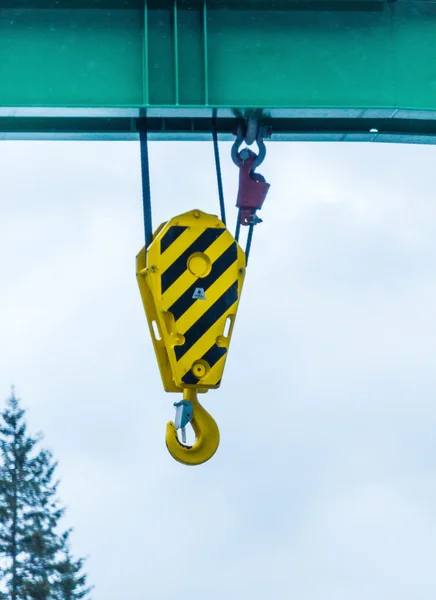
<point>250,132</point>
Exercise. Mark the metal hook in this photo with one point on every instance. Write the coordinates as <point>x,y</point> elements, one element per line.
<point>236,155</point>
<point>206,433</point>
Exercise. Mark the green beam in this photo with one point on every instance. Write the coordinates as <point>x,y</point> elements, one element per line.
<point>317,69</point>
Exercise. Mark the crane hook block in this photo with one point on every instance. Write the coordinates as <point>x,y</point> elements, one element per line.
<point>190,279</point>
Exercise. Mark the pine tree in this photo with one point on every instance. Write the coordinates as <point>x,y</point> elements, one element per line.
<point>34,553</point>
<point>71,583</point>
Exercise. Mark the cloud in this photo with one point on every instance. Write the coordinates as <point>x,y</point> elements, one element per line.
<point>323,486</point>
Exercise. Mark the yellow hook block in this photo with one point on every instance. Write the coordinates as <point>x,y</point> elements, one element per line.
<point>206,433</point>
<point>191,278</point>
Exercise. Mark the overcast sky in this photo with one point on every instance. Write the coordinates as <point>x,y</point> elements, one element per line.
<point>324,485</point>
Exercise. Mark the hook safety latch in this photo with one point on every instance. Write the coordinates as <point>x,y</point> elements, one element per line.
<point>184,415</point>
<point>252,189</point>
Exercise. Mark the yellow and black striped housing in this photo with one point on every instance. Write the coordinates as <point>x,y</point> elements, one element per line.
<point>190,281</point>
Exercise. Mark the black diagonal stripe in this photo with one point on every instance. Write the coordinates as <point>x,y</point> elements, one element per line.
<point>206,321</point>
<point>212,356</point>
<point>178,267</point>
<point>171,235</point>
<point>190,378</point>
<point>220,266</point>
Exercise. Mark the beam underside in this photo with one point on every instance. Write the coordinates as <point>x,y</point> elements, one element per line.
<point>87,71</point>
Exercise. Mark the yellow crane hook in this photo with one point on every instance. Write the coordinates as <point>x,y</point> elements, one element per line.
<point>190,277</point>
<point>205,428</point>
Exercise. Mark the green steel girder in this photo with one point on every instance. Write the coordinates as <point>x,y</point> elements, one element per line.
<point>317,69</point>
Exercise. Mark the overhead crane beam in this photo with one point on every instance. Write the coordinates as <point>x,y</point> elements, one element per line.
<point>317,69</point>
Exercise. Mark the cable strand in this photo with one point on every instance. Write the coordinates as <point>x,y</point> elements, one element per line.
<point>145,176</point>
<point>218,168</point>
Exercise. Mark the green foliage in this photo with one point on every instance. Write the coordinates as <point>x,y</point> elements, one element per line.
<point>71,583</point>
<point>35,557</point>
